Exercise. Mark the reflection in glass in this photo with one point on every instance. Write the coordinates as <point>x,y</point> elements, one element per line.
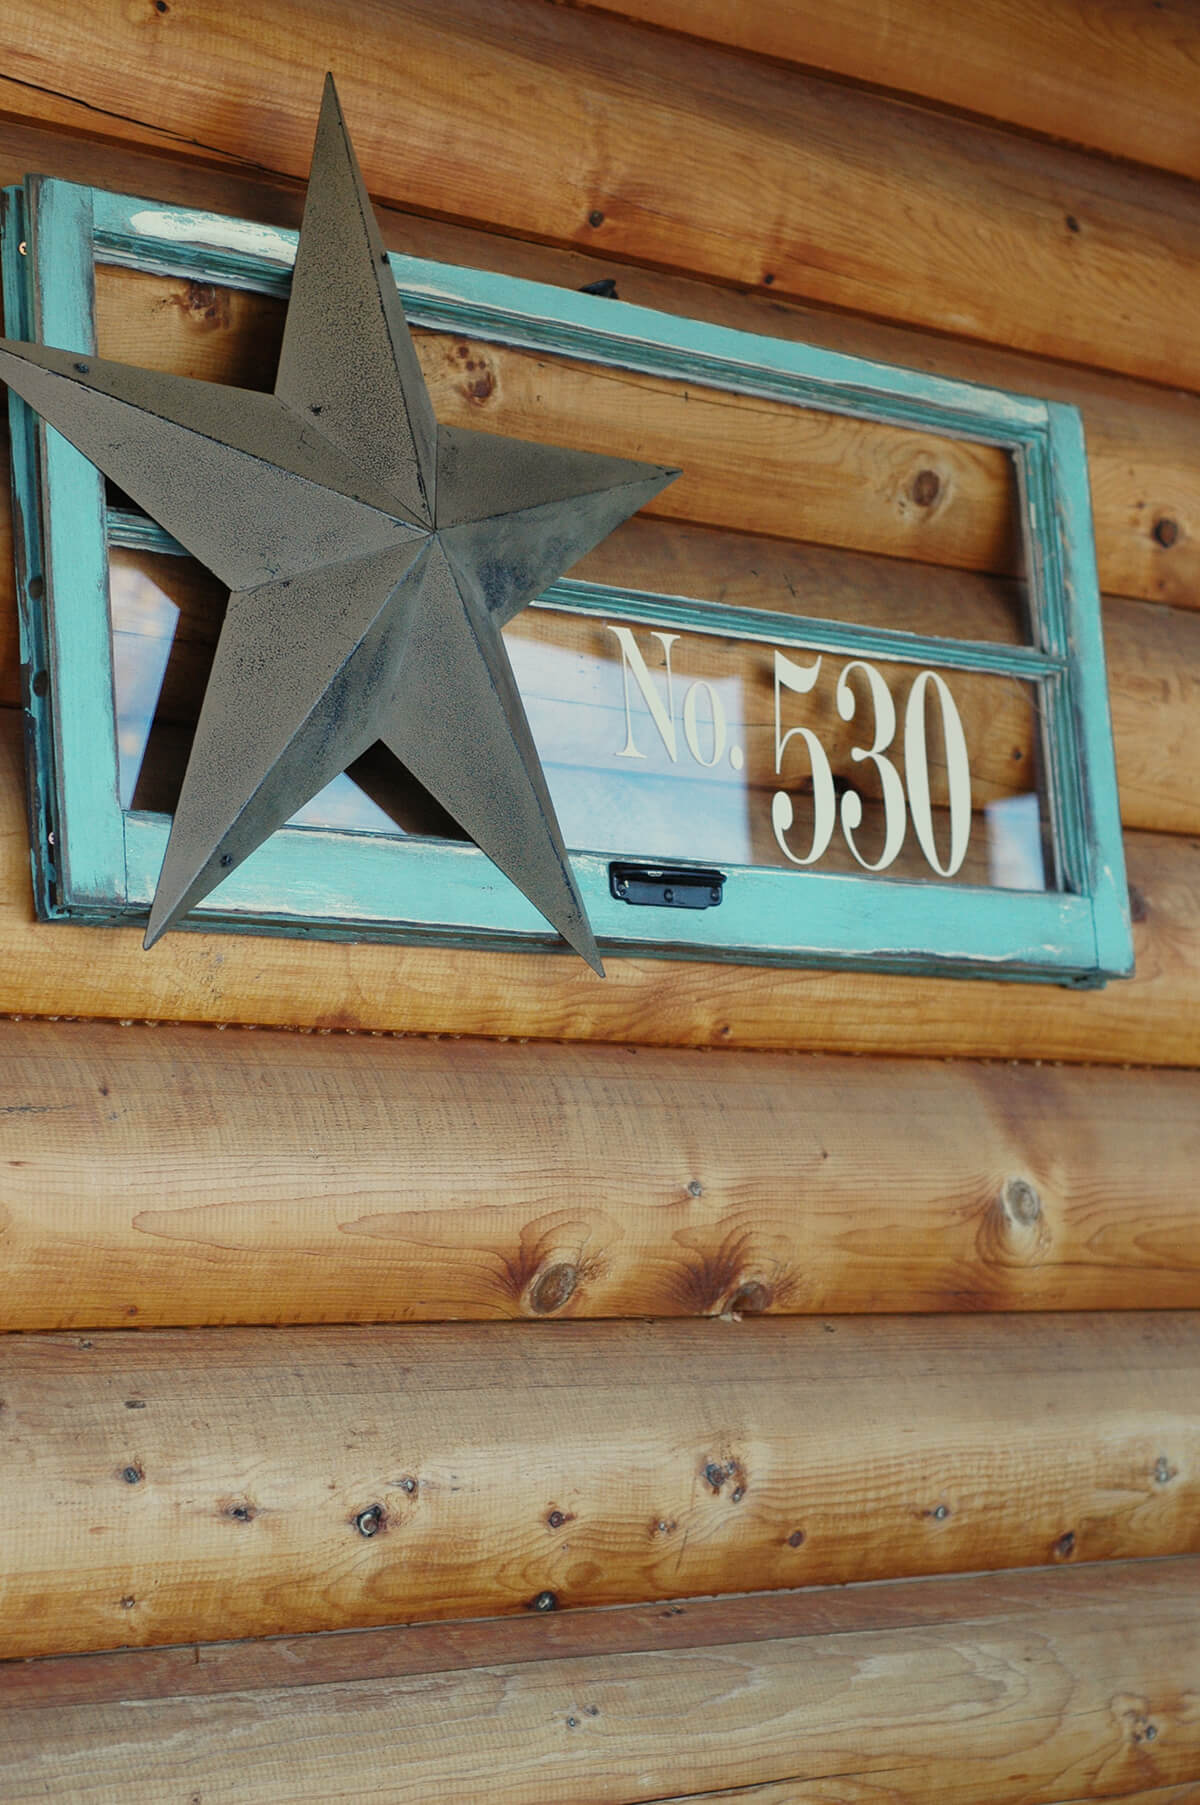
<point>1015,850</point>
<point>143,626</point>
<point>664,744</point>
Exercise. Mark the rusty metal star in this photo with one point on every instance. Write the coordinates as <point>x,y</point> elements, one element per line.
<point>372,557</point>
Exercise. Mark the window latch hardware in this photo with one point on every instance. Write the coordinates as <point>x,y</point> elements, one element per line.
<point>666,886</point>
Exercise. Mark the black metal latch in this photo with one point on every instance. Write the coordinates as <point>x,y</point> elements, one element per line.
<point>666,886</point>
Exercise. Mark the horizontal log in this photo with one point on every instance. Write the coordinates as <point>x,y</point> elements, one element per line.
<point>63,969</point>
<point>1144,474</point>
<point>763,466</point>
<point>721,165</point>
<point>1009,1692</point>
<point>181,1177</point>
<point>201,1670</point>
<point>239,1482</point>
<point>1118,78</point>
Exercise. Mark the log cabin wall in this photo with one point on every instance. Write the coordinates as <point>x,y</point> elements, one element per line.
<point>489,1294</point>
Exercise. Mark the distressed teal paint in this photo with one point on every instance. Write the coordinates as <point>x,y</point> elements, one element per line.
<point>297,876</point>
<point>74,562</point>
<point>1102,877</point>
<point>510,310</point>
<point>40,763</point>
<point>379,886</point>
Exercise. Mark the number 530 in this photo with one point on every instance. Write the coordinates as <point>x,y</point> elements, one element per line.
<point>801,679</point>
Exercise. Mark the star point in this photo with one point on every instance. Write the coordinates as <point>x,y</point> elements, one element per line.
<point>373,556</point>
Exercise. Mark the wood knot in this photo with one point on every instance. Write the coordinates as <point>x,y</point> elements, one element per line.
<point>1133,1715</point>
<point>1022,1202</point>
<point>716,1473</point>
<point>1013,1231</point>
<point>750,1299</point>
<point>1165,531</point>
<point>553,1288</point>
<point>478,378</point>
<point>926,487</point>
<point>203,304</point>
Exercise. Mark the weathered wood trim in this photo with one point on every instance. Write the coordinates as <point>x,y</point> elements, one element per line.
<point>1116,78</point>
<point>1008,1691</point>
<point>187,1177</point>
<point>839,1790</point>
<point>264,1481</point>
<point>1064,248</point>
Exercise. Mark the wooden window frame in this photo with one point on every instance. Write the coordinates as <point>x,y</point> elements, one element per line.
<point>94,861</point>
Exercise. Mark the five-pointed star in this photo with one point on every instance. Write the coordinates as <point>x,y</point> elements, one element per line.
<point>372,557</point>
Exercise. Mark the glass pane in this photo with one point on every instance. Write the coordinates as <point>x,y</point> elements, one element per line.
<point>166,614</point>
<point>677,745</point>
<point>664,744</point>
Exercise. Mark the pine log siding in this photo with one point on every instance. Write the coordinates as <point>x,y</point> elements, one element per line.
<point>387,1317</point>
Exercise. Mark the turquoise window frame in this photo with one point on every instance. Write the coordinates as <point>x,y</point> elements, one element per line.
<point>94,861</point>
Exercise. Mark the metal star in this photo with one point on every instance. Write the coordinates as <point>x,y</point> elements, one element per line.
<point>372,557</point>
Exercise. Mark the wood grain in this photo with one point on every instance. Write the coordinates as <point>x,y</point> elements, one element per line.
<point>183,1176</point>
<point>216,1483</point>
<point>580,129</point>
<point>1055,1689</point>
<point>1119,77</point>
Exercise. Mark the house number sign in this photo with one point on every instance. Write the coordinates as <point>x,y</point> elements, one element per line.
<point>904,797</point>
<point>826,790</point>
